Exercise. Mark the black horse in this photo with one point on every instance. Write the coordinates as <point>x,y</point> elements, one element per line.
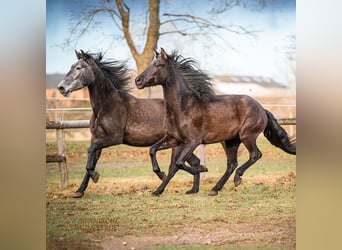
<point>118,117</point>
<point>195,115</point>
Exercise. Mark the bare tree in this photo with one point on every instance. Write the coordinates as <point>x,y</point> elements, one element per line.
<point>173,23</point>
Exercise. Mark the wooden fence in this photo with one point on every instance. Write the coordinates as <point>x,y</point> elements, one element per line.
<point>60,156</point>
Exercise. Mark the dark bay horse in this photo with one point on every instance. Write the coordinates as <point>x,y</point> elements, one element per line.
<point>118,117</point>
<point>195,115</point>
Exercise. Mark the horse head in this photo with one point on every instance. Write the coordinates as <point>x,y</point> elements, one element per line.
<point>79,76</point>
<point>156,73</point>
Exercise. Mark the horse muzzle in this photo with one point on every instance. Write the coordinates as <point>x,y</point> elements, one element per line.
<point>64,91</point>
<point>141,83</point>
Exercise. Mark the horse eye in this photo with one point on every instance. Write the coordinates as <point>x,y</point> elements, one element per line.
<point>78,67</point>
<point>158,65</point>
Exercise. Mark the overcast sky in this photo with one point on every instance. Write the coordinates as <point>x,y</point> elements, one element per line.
<point>227,54</point>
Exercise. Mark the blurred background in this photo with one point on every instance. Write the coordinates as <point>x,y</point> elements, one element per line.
<point>247,47</point>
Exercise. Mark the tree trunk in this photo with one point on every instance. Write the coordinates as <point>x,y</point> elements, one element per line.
<point>142,59</point>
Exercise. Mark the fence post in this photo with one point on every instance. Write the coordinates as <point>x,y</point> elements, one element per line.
<point>62,164</point>
<point>291,126</point>
<point>201,156</point>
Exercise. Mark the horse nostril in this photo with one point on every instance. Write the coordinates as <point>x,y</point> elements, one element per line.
<point>61,89</point>
<point>138,80</point>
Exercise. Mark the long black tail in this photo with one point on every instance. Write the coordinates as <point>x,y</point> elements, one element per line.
<point>277,135</point>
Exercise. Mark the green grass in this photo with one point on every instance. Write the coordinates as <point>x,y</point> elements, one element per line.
<point>259,214</point>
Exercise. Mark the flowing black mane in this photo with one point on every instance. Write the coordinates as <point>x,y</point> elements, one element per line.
<point>114,71</point>
<point>198,81</point>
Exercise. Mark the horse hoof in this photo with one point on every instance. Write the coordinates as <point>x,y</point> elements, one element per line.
<point>237,180</point>
<point>156,194</point>
<point>203,169</point>
<point>191,191</point>
<point>78,195</point>
<point>95,177</point>
<point>213,193</point>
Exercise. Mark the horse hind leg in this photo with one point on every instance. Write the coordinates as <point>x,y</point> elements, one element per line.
<point>254,155</point>
<point>231,149</point>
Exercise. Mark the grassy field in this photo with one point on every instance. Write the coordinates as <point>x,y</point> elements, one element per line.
<point>119,212</point>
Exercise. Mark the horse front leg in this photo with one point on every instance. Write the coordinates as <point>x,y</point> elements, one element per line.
<point>92,158</point>
<point>194,162</point>
<point>187,153</point>
<point>80,191</point>
<point>165,143</point>
<point>173,168</point>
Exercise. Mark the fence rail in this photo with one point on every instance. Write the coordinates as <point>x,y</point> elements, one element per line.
<point>67,124</point>
<point>90,109</point>
<point>60,157</point>
<point>86,123</point>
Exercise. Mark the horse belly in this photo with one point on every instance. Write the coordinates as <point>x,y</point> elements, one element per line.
<point>218,136</point>
<point>143,134</point>
<point>220,125</point>
<point>142,138</point>
<point>145,124</point>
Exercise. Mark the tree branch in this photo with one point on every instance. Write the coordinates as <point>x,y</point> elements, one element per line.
<point>84,19</point>
<point>254,5</point>
<point>204,24</point>
<point>125,14</point>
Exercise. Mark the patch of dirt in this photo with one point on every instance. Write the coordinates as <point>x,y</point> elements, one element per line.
<point>278,234</point>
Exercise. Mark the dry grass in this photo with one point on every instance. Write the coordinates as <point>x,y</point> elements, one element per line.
<point>119,212</point>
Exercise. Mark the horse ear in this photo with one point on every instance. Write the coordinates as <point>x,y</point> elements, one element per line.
<point>156,54</point>
<point>86,57</point>
<point>163,54</point>
<point>78,55</point>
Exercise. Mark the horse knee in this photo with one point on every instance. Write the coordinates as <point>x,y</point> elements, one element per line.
<point>232,166</point>
<point>179,164</point>
<point>90,150</point>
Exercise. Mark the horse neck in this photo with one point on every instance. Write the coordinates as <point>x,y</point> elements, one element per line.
<point>102,93</point>
<point>175,90</point>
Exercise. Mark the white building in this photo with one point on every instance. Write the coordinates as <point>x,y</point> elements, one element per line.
<point>249,85</point>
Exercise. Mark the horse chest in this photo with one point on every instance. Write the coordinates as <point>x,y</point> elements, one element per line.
<point>177,129</point>
<point>106,126</point>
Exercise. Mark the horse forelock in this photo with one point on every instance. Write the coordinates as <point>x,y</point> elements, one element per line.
<point>197,80</point>
<point>114,71</point>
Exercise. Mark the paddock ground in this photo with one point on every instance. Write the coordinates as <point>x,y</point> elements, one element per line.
<point>119,212</point>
